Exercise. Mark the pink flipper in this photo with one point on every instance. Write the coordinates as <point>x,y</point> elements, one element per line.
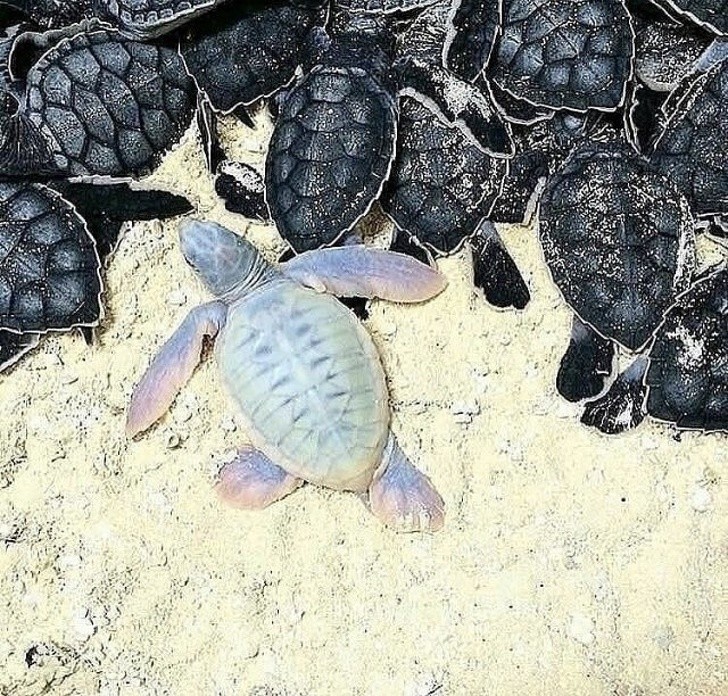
<point>173,366</point>
<point>403,497</point>
<point>360,271</point>
<point>252,481</point>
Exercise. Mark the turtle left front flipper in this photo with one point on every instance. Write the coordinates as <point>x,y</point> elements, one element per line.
<point>173,366</point>
<point>365,272</point>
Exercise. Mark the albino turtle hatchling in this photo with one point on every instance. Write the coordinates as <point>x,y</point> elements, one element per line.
<point>303,371</point>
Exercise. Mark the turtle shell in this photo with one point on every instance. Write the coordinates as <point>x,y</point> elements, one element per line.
<point>441,183</point>
<point>107,105</point>
<point>49,267</point>
<point>246,55</point>
<point>690,147</point>
<point>618,240</point>
<point>145,19</point>
<point>329,155</point>
<point>307,377</point>
<point>710,14</point>
<point>383,6</point>
<point>565,54</point>
<point>688,364</point>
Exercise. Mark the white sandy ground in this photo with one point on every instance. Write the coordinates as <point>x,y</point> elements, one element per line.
<point>570,564</point>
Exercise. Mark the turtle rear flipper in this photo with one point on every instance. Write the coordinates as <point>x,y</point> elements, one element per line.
<point>252,481</point>
<point>623,406</point>
<point>242,189</point>
<point>24,151</point>
<point>494,270</point>
<point>587,364</point>
<point>709,14</point>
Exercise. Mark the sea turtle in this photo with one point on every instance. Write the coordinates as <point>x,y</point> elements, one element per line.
<point>95,104</point>
<point>52,247</point>
<point>683,379</point>
<point>302,370</point>
<point>618,239</point>
<point>565,54</point>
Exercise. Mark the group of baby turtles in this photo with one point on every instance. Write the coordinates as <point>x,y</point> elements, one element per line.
<point>609,117</point>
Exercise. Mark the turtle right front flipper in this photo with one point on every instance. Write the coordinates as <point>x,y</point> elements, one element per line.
<point>173,366</point>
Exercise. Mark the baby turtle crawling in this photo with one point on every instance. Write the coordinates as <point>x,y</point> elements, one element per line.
<point>302,370</point>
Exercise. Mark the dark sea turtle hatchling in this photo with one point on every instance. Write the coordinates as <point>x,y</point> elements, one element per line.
<point>302,370</point>
<point>691,143</point>
<point>54,240</point>
<point>97,105</point>
<point>565,54</point>
<point>683,380</point>
<point>49,268</point>
<point>618,239</point>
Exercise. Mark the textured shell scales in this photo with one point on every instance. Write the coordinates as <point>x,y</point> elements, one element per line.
<point>691,146</point>
<point>109,106</point>
<point>618,241</point>
<point>306,376</point>
<point>219,57</point>
<point>330,153</point>
<point>573,54</point>
<point>708,13</point>
<point>441,184</point>
<point>49,268</point>
<point>688,371</point>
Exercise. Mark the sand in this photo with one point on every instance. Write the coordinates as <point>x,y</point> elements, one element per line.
<point>570,563</point>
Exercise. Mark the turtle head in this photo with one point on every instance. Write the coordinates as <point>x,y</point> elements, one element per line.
<point>228,264</point>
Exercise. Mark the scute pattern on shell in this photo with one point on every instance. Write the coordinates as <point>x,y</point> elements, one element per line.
<point>329,154</point>
<point>49,268</point>
<point>618,239</point>
<point>688,371</point>
<point>149,18</point>
<point>691,146</point>
<point>383,6</point>
<point>307,376</point>
<point>573,54</point>
<point>226,67</point>
<point>441,183</point>
<point>712,14</point>
<point>109,106</point>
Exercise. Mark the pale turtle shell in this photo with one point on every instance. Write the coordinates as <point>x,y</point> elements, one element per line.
<point>308,380</point>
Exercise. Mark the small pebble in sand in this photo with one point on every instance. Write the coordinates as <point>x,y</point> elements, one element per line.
<point>581,629</point>
<point>177,298</point>
<point>171,440</point>
<point>701,499</point>
<point>228,424</point>
<point>82,627</point>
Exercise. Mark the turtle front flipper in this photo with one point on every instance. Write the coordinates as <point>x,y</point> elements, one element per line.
<point>360,271</point>
<point>494,270</point>
<point>173,366</point>
<point>586,365</point>
<point>252,481</point>
<point>623,406</point>
<point>402,497</point>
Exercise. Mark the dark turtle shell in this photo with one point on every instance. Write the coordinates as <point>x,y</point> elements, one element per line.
<point>382,7</point>
<point>691,145</point>
<point>565,54</point>
<point>248,54</point>
<point>688,364</point>
<point>145,19</point>
<point>107,105</point>
<point>441,183</point>
<point>49,267</point>
<point>618,239</point>
<point>710,14</point>
<point>329,155</point>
